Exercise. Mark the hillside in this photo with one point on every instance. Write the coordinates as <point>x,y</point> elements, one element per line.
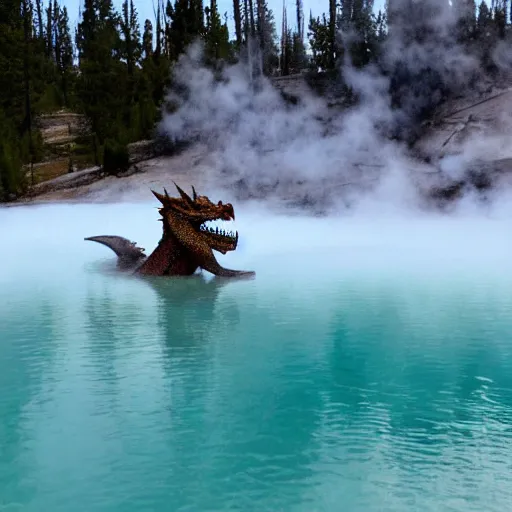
<point>62,152</point>
<point>465,146</point>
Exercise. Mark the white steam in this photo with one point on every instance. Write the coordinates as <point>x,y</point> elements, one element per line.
<point>258,142</point>
<point>308,155</point>
<point>277,247</point>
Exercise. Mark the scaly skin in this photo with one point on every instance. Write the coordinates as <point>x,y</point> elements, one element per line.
<point>186,244</point>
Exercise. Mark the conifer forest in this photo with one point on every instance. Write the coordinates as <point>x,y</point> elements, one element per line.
<point>114,70</point>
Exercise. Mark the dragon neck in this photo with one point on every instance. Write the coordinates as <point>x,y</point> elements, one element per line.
<point>169,258</point>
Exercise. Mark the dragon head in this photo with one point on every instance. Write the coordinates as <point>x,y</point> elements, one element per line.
<point>196,212</point>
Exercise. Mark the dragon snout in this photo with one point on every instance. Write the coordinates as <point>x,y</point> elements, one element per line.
<point>228,211</point>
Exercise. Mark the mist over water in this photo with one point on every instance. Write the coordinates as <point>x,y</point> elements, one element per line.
<point>295,247</point>
<point>368,363</point>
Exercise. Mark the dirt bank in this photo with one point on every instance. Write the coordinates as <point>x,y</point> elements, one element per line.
<point>92,186</point>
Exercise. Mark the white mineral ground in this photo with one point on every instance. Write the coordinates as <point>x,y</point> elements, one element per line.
<point>187,168</point>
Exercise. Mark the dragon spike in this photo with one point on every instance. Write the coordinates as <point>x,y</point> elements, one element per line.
<point>166,193</point>
<point>160,197</point>
<point>183,194</point>
<point>194,193</point>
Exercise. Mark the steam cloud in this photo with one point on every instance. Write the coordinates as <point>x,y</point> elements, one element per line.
<point>308,155</point>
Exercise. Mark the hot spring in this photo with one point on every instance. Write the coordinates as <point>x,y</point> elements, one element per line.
<point>367,367</point>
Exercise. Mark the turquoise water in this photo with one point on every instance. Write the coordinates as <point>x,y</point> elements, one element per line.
<point>367,368</point>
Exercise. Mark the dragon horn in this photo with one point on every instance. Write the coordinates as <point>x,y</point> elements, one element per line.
<point>194,193</point>
<point>183,194</point>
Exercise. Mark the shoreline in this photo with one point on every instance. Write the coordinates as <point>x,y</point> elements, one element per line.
<point>93,186</point>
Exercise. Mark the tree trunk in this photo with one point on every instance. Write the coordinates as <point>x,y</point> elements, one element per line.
<point>332,32</point>
<point>251,14</point>
<point>246,20</point>
<point>238,22</point>
<point>261,24</point>
<point>27,124</point>
<point>49,31</point>
<point>40,19</point>
<point>300,20</point>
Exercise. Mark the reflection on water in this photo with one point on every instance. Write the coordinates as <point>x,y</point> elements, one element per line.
<point>287,392</point>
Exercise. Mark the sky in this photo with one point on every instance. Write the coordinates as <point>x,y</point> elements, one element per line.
<point>145,10</point>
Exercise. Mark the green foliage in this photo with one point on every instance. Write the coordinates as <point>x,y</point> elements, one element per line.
<point>217,35</point>
<point>183,24</point>
<point>11,64</point>
<point>102,85</point>
<point>117,75</point>
<point>490,25</point>
<point>116,157</point>
<point>50,99</point>
<point>10,170</point>
<point>364,34</point>
<point>466,24</point>
<point>319,42</point>
<point>111,71</point>
<point>268,38</point>
<point>31,147</point>
<point>11,176</point>
<point>29,41</point>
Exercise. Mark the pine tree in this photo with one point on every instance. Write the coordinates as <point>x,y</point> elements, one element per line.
<point>320,42</point>
<point>147,40</point>
<point>466,23</point>
<point>358,20</point>
<point>27,125</point>
<point>266,37</point>
<point>487,29</point>
<point>500,17</point>
<point>186,25</point>
<point>332,33</point>
<point>131,42</point>
<point>217,35</point>
<point>11,99</point>
<point>250,16</point>
<point>63,51</point>
<point>49,29</point>
<point>300,19</point>
<point>484,20</point>
<point>102,81</point>
<point>298,58</point>
<point>40,25</point>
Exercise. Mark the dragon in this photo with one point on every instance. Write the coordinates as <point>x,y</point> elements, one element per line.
<point>187,241</point>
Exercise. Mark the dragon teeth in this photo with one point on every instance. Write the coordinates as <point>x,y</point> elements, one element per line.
<point>214,228</point>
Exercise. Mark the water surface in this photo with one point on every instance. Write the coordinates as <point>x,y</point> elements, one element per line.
<point>368,367</point>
